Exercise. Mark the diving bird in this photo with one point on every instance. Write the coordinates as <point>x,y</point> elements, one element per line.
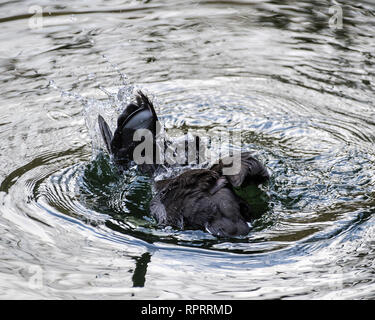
<point>195,199</point>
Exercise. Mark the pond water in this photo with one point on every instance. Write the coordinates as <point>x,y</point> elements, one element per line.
<point>295,76</point>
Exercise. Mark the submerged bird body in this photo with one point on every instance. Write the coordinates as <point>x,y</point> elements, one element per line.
<point>201,199</point>
<point>196,199</point>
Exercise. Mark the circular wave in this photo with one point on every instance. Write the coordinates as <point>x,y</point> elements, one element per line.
<point>321,183</point>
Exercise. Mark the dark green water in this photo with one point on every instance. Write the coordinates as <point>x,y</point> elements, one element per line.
<point>297,83</point>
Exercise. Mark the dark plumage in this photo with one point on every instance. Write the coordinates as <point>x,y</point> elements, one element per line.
<point>196,199</point>
<point>121,145</point>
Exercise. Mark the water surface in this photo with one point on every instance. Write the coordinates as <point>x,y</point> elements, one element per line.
<point>296,83</point>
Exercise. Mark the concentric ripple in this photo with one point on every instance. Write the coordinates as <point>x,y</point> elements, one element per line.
<point>297,87</point>
<point>320,184</point>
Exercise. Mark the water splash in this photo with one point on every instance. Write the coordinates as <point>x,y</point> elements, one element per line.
<point>109,108</point>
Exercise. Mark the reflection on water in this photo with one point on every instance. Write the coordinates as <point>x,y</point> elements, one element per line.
<point>296,78</point>
<point>139,275</point>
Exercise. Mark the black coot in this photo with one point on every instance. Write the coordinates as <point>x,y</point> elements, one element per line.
<point>197,198</point>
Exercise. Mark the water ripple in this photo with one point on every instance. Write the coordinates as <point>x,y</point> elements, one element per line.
<point>298,89</point>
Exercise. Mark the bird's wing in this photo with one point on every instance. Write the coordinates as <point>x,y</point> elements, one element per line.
<point>243,170</point>
<point>121,144</point>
